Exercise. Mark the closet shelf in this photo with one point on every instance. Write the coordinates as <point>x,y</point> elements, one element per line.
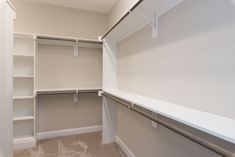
<point>144,12</point>
<point>23,35</point>
<point>215,125</point>
<point>23,97</point>
<point>66,91</point>
<point>23,55</point>
<point>68,41</point>
<point>23,118</point>
<point>23,76</point>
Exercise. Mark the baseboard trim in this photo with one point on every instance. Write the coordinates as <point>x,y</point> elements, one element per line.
<point>124,147</point>
<point>24,143</point>
<point>67,132</point>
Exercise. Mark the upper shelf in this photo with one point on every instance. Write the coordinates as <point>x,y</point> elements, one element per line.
<point>66,91</point>
<point>144,12</point>
<point>215,125</point>
<point>56,40</point>
<point>68,41</point>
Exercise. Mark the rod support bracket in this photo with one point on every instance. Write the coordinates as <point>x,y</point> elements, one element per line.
<point>154,124</point>
<point>155,25</point>
<point>100,93</point>
<point>75,49</point>
<point>75,97</point>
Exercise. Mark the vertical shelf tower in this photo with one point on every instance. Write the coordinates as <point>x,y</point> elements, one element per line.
<point>23,90</point>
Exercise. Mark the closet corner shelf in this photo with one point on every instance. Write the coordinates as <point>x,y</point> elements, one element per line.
<point>23,118</point>
<point>66,91</point>
<point>144,12</point>
<point>219,126</point>
<point>23,97</point>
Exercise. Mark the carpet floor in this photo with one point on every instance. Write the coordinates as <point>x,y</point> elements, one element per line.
<point>83,145</point>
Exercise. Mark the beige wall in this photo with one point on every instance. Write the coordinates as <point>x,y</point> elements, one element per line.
<point>118,10</point>
<point>58,112</point>
<point>47,19</point>
<point>191,63</point>
<point>57,67</point>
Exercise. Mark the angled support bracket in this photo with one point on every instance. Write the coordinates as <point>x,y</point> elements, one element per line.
<point>152,20</point>
<point>75,97</point>
<point>155,25</point>
<point>75,49</point>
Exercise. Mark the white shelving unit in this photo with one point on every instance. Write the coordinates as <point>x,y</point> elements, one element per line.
<point>23,90</point>
<point>26,75</point>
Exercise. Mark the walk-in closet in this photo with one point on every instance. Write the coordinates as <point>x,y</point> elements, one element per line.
<point>117,78</point>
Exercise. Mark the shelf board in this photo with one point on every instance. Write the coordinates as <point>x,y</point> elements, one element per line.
<point>23,118</point>
<point>23,97</point>
<point>66,90</point>
<point>23,76</point>
<point>23,55</point>
<point>23,35</point>
<point>68,41</point>
<point>219,126</point>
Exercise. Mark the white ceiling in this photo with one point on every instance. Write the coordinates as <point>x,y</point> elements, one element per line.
<point>102,6</point>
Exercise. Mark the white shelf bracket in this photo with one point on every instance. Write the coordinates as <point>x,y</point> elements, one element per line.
<point>152,20</point>
<point>75,97</point>
<point>155,25</point>
<point>35,94</point>
<point>100,93</point>
<point>75,49</point>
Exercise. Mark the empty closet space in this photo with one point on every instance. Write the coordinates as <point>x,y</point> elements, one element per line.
<point>117,78</point>
<point>60,69</point>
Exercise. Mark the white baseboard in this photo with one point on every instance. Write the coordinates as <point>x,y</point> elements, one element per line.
<point>67,132</point>
<point>124,147</point>
<point>22,143</point>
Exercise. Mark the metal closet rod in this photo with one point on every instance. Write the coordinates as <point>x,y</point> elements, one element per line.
<point>123,17</point>
<point>68,40</point>
<point>209,145</point>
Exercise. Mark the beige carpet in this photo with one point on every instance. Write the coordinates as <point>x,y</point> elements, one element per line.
<point>84,145</point>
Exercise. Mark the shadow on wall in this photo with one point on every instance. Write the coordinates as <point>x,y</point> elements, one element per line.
<point>190,18</point>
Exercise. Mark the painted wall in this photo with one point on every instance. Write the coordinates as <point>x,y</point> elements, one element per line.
<point>57,67</point>
<point>47,19</point>
<point>118,10</point>
<point>191,63</point>
<point>60,112</point>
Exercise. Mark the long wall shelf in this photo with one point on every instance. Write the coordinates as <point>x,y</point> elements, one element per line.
<point>215,125</point>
